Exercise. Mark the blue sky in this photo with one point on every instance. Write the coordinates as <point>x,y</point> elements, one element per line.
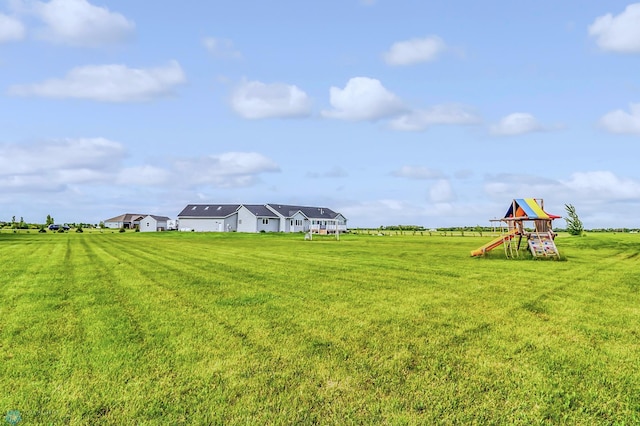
<point>433,113</point>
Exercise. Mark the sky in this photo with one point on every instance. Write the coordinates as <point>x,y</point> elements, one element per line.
<point>403,112</point>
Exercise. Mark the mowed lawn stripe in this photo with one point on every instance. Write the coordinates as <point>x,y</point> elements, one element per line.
<point>188,351</point>
<point>230,328</point>
<point>371,281</point>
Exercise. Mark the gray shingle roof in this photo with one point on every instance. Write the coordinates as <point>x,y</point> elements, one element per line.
<point>260,210</point>
<point>209,210</point>
<point>160,218</point>
<point>309,212</point>
<point>127,217</point>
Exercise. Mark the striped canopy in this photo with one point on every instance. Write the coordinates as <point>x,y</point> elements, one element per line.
<point>527,208</point>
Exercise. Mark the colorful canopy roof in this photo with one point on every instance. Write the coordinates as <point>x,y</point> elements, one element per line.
<point>527,208</point>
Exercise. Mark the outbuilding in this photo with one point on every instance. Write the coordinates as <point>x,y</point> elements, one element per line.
<point>153,223</point>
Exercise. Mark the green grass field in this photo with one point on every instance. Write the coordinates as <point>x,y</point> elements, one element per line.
<point>188,328</point>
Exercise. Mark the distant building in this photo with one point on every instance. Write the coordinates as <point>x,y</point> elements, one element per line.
<point>133,220</point>
<point>127,221</point>
<point>260,218</point>
<point>153,223</point>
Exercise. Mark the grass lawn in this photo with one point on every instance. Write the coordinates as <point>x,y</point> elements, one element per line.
<point>190,328</point>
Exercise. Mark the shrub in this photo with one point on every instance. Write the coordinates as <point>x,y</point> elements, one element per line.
<point>121,229</point>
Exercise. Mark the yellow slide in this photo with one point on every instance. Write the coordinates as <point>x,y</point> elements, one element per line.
<point>494,243</point>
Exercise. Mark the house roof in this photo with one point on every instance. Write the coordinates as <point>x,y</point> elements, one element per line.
<point>127,217</point>
<point>309,212</point>
<point>527,208</point>
<point>209,210</point>
<point>159,218</point>
<point>260,210</point>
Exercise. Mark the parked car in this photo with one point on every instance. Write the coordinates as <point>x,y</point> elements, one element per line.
<point>53,227</point>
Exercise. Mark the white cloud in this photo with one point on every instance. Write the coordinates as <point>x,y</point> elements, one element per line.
<point>256,100</point>
<point>55,164</point>
<point>603,185</point>
<point>334,172</point>
<point>109,83</point>
<point>619,33</point>
<point>11,29</point>
<point>231,169</point>
<point>362,99</point>
<point>221,47</point>
<point>80,23</point>
<point>145,175</point>
<point>620,121</point>
<point>517,123</point>
<point>414,51</point>
<point>441,192</point>
<point>417,172</point>
<point>596,188</point>
<point>508,186</point>
<point>382,212</point>
<point>419,120</point>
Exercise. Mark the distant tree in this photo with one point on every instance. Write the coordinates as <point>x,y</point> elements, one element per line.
<point>22,224</point>
<point>50,220</point>
<point>574,224</point>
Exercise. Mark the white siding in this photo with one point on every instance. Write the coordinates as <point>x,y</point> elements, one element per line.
<point>210,224</point>
<point>247,222</point>
<point>272,225</point>
<point>150,224</point>
<point>297,223</point>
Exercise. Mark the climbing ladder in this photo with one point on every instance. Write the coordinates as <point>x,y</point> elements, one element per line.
<point>541,244</point>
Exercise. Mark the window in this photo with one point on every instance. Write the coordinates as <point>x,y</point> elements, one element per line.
<point>194,207</point>
<point>265,221</point>
<point>206,208</point>
<point>239,221</point>
<point>219,208</point>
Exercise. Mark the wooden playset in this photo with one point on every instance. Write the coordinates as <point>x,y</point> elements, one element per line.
<point>516,226</point>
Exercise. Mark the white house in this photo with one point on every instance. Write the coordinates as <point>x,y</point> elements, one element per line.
<point>127,220</point>
<point>257,218</point>
<point>305,219</point>
<point>260,218</point>
<point>153,223</point>
<point>209,218</point>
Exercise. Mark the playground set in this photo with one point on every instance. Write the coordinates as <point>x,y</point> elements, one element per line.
<point>539,237</point>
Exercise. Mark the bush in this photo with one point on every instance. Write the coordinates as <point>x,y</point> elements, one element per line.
<point>60,230</point>
<point>78,229</point>
<point>121,229</point>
